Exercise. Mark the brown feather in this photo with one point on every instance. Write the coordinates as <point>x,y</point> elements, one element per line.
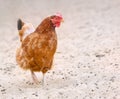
<point>37,50</point>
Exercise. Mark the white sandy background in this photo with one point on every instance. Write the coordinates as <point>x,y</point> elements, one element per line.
<point>87,62</point>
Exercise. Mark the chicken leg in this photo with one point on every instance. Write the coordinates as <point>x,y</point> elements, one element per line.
<point>34,77</point>
<point>43,79</point>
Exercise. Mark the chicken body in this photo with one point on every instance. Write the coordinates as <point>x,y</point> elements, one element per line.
<point>37,50</point>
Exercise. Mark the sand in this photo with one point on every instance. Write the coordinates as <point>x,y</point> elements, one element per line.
<point>87,61</point>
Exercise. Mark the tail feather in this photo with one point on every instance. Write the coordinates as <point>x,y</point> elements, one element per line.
<point>24,29</point>
<point>19,24</point>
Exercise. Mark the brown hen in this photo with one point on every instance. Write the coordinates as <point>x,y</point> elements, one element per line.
<point>37,50</point>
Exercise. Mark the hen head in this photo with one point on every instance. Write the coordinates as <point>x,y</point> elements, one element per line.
<point>57,19</point>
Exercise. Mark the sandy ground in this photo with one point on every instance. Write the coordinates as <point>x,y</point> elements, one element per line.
<point>87,62</point>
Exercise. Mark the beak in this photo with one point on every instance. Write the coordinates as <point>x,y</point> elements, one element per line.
<point>62,20</point>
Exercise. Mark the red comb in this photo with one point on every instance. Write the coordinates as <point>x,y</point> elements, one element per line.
<point>58,14</point>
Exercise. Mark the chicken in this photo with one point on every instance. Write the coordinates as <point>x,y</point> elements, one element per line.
<point>24,29</point>
<point>37,50</point>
